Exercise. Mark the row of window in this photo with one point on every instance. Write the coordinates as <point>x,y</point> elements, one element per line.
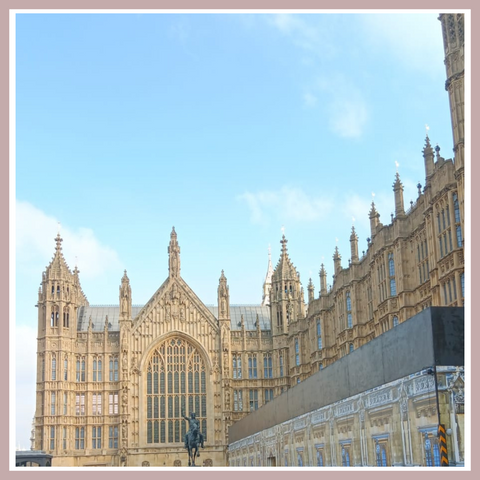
<point>252,366</point>
<point>55,317</point>
<point>253,399</point>
<point>80,403</point>
<point>450,289</point>
<point>80,440</point>
<point>80,370</point>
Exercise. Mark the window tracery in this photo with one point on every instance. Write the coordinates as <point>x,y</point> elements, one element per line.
<point>176,383</point>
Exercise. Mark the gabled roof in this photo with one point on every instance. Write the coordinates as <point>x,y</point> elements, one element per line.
<point>98,314</point>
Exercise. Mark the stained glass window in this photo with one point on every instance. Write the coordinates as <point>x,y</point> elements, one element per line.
<point>176,383</point>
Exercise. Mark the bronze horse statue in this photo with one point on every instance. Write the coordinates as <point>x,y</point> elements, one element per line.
<point>193,439</point>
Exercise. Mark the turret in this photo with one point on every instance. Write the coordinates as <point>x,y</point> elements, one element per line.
<point>125,297</point>
<point>398,190</point>
<point>354,246</point>
<point>429,161</point>
<point>323,280</point>
<point>374,220</point>
<point>311,291</point>
<point>59,296</point>
<point>287,302</point>
<point>454,48</point>
<point>337,261</point>
<point>223,297</point>
<point>267,284</point>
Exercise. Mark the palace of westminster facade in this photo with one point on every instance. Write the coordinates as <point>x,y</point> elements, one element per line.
<point>112,382</point>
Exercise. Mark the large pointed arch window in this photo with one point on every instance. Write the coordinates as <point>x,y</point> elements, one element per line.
<point>176,383</point>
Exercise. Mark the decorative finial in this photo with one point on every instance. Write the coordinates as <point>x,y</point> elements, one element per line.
<point>427,128</point>
<point>284,241</point>
<point>58,240</point>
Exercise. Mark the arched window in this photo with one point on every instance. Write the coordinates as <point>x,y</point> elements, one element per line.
<point>381,454</point>
<point>80,369</point>
<point>319,335</point>
<point>391,271</point>
<point>176,383</point>
<point>54,367</point>
<point>349,310</point>
<point>54,317</point>
<point>237,365</point>
<point>267,366</point>
<point>113,369</point>
<point>97,369</point>
<point>432,453</point>
<point>297,352</point>
<point>252,366</point>
<point>66,317</point>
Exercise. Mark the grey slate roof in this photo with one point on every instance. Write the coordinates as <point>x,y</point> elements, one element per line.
<point>249,313</point>
<point>98,314</point>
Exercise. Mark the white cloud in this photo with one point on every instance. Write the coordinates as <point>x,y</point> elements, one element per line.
<point>309,99</point>
<point>357,207</point>
<point>285,204</point>
<point>413,38</point>
<point>25,374</point>
<point>35,233</point>
<point>348,117</point>
<point>308,36</point>
<point>346,107</point>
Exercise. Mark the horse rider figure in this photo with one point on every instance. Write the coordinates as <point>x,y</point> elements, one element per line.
<point>194,430</point>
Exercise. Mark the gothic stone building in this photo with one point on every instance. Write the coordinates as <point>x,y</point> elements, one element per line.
<point>112,382</point>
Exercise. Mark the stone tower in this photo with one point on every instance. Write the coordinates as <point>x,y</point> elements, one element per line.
<point>59,297</point>
<point>286,300</point>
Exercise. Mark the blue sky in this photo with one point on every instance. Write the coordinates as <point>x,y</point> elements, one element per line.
<point>226,126</point>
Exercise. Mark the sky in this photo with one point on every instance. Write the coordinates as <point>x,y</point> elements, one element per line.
<point>233,128</point>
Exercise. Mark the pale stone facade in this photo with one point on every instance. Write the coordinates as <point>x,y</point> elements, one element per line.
<point>112,381</point>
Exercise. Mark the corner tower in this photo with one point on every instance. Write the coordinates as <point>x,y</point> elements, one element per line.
<point>59,297</point>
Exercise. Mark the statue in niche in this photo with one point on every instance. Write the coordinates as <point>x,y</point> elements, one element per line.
<point>124,302</point>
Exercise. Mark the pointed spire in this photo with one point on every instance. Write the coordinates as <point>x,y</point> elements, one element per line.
<point>323,280</point>
<point>337,260</point>
<point>267,284</point>
<point>223,297</point>
<point>311,291</point>
<point>428,158</point>
<point>354,245</point>
<point>125,294</point>
<point>398,189</point>
<point>173,255</point>
<point>374,220</point>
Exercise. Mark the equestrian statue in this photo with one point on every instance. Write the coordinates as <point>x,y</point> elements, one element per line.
<point>193,438</point>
